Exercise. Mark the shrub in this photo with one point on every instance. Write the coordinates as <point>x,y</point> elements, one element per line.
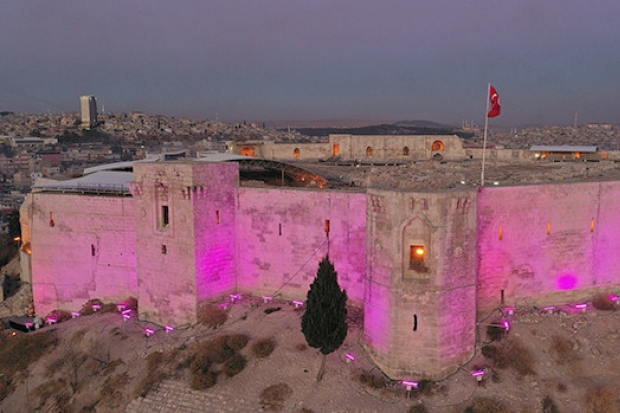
<point>511,354</point>
<point>273,397</point>
<point>59,315</point>
<point>215,350</point>
<point>212,315</point>
<point>371,380</point>
<point>483,405</point>
<point>235,365</point>
<point>496,332</point>
<point>548,406</point>
<point>562,348</point>
<point>602,400</point>
<point>263,348</point>
<point>237,341</point>
<point>203,381</point>
<point>87,308</point>
<point>603,302</point>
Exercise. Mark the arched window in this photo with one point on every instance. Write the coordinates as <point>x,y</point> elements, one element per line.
<point>437,146</point>
<point>248,151</point>
<point>336,149</point>
<point>406,151</point>
<point>296,153</point>
<point>369,151</point>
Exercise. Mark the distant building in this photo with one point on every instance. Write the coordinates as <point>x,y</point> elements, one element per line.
<point>88,111</point>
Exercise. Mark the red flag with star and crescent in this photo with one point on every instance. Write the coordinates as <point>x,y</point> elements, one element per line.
<point>496,109</point>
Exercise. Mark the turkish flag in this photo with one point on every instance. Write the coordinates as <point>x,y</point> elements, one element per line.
<point>496,109</point>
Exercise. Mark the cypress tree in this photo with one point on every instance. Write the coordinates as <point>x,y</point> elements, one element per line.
<point>324,323</point>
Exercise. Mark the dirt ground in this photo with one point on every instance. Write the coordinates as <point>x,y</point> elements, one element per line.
<point>100,364</point>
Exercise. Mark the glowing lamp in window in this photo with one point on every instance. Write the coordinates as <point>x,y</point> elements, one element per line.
<point>416,258</point>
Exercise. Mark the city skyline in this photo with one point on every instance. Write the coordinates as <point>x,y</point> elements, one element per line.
<point>275,60</point>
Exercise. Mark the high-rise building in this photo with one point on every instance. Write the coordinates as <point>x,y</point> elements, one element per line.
<point>88,111</point>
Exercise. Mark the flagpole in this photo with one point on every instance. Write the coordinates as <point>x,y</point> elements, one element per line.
<point>486,126</point>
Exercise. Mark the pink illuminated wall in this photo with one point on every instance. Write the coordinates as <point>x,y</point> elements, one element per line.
<point>281,238</point>
<point>547,244</point>
<point>83,247</point>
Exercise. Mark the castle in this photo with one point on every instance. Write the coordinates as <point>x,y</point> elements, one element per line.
<point>425,264</point>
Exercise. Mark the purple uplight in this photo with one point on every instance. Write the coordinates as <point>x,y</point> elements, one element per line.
<point>298,303</point>
<point>567,282</point>
<point>510,310</point>
<point>614,298</point>
<point>126,317</point>
<point>478,373</point>
<point>52,320</point>
<point>169,328</point>
<point>149,332</point>
<point>267,299</point>
<point>127,312</point>
<point>121,307</point>
<point>350,357</point>
<point>96,307</point>
<point>235,297</point>
<point>409,384</point>
<point>581,307</point>
<point>75,314</point>
<point>506,325</point>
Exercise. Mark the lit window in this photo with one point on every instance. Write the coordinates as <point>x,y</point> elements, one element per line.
<point>406,151</point>
<point>296,153</point>
<point>369,151</point>
<point>416,258</point>
<point>336,149</point>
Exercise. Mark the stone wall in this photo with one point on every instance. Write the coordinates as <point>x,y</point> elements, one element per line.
<point>84,247</point>
<point>281,238</point>
<point>547,244</point>
<point>398,147</point>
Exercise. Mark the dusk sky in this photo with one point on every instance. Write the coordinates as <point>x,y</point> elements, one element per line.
<point>267,60</point>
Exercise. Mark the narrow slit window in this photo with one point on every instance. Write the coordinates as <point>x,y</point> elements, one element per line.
<point>217,216</point>
<point>327,227</point>
<point>280,229</point>
<point>165,216</point>
<point>592,225</point>
<point>92,250</point>
<point>549,228</point>
<point>501,232</point>
<point>164,249</point>
<point>415,322</point>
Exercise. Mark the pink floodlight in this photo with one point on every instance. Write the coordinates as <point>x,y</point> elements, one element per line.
<point>350,357</point>
<point>614,298</point>
<point>224,305</point>
<point>581,306</point>
<point>96,307</point>
<point>121,307</point>
<point>298,303</point>
<point>52,320</point>
<point>409,384</point>
<point>126,317</point>
<point>478,374</point>
<point>267,299</point>
<point>169,328</point>
<point>510,310</point>
<point>506,325</point>
<point>549,308</point>
<point>75,314</point>
<point>149,332</point>
<point>235,297</point>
